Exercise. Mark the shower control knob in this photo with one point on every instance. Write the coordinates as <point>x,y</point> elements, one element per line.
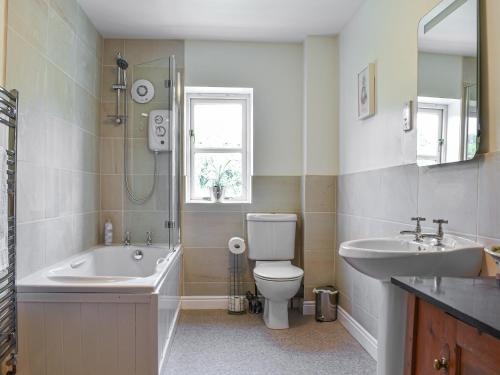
<point>158,119</point>
<point>161,131</point>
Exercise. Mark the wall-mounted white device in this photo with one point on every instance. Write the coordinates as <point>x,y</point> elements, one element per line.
<point>408,116</point>
<point>159,130</point>
<point>142,91</point>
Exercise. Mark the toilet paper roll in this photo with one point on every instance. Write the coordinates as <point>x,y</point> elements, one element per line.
<point>237,245</point>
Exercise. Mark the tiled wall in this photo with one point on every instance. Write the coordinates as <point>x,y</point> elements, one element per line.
<point>319,227</point>
<point>381,202</point>
<point>147,59</point>
<point>53,59</point>
<point>206,229</point>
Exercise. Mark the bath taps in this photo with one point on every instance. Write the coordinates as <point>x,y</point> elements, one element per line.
<point>418,229</point>
<point>440,233</point>
<point>126,242</point>
<point>149,238</point>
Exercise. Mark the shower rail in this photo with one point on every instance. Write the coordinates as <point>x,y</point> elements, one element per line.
<point>9,101</point>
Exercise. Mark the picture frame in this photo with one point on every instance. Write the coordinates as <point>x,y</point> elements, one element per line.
<point>366,92</point>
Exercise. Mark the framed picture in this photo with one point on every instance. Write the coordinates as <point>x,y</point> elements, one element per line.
<point>366,92</point>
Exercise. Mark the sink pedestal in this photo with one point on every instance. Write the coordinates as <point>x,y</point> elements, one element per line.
<point>391,330</point>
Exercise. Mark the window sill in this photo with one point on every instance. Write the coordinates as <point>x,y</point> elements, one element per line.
<point>225,202</point>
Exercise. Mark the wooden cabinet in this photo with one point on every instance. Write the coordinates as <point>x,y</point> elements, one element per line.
<point>437,343</point>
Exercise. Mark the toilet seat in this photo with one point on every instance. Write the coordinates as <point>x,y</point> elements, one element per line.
<point>277,271</point>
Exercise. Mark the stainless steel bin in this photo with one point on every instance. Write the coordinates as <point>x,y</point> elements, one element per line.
<point>326,303</point>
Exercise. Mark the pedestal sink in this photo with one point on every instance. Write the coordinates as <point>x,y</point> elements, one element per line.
<point>382,258</point>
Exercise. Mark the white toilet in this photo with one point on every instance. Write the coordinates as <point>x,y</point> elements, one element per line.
<point>271,242</point>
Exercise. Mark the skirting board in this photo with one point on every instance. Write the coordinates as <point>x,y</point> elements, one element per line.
<point>204,302</point>
<point>366,340</point>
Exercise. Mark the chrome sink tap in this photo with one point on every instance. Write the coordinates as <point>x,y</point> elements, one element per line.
<point>149,238</point>
<point>439,236</point>
<point>418,229</point>
<point>126,242</point>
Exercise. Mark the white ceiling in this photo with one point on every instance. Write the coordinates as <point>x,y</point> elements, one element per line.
<point>248,20</point>
<point>454,35</point>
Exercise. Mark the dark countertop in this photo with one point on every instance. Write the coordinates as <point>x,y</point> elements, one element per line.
<point>475,301</point>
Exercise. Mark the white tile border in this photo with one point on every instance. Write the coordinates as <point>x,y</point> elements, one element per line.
<point>204,302</point>
<point>366,340</point>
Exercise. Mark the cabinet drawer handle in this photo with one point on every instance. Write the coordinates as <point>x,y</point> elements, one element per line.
<point>440,364</point>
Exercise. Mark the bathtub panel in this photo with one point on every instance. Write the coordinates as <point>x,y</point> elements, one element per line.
<point>90,337</point>
<point>145,349</point>
<point>72,338</point>
<point>108,343</point>
<point>126,339</point>
<point>53,325</point>
<point>31,354</point>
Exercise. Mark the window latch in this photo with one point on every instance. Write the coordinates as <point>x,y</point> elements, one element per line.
<point>191,134</point>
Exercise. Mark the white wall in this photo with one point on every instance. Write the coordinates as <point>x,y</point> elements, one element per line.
<point>383,32</point>
<point>321,105</point>
<point>440,76</point>
<point>274,71</point>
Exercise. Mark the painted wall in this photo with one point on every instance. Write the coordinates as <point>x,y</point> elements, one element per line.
<point>53,59</point>
<point>380,187</point>
<point>440,76</point>
<point>321,105</point>
<point>274,70</point>
<point>3,39</point>
<point>385,33</point>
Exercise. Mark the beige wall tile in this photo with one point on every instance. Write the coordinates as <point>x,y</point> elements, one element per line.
<point>320,193</point>
<point>207,229</point>
<point>87,108</point>
<point>61,48</point>
<point>111,156</point>
<point>275,194</point>
<point>87,66</point>
<point>319,231</point>
<point>111,192</point>
<point>319,267</point>
<point>139,51</point>
<point>58,148</point>
<point>108,127</point>
<point>110,49</point>
<point>26,71</point>
<point>85,231</point>
<point>211,265</point>
<point>87,32</point>
<point>66,9</point>
<point>108,79</point>
<point>59,93</point>
<point>29,18</point>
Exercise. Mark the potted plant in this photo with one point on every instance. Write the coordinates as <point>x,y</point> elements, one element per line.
<point>217,177</point>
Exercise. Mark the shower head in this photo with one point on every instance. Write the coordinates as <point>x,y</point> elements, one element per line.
<point>121,62</point>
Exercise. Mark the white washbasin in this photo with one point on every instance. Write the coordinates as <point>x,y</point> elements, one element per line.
<point>382,258</point>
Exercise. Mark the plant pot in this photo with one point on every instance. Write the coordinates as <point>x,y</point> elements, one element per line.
<point>217,193</point>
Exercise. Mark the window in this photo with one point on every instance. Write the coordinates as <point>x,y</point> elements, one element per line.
<point>218,133</point>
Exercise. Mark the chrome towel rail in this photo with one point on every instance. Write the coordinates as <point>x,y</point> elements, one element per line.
<point>9,102</point>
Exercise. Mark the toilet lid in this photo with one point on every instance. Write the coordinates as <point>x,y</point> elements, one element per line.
<point>280,272</point>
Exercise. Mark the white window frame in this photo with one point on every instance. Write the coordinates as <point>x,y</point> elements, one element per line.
<point>200,94</point>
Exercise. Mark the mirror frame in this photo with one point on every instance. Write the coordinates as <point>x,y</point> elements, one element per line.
<point>444,4</point>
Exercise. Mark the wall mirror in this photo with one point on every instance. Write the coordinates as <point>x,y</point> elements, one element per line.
<point>447,113</point>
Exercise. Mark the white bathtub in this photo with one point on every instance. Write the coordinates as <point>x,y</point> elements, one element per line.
<point>107,310</point>
<point>103,269</point>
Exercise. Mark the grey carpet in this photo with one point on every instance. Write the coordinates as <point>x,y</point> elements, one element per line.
<point>215,343</point>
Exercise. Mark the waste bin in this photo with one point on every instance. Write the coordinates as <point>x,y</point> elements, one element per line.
<point>326,303</point>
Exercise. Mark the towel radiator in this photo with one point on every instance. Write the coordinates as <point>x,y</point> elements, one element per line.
<point>9,101</point>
